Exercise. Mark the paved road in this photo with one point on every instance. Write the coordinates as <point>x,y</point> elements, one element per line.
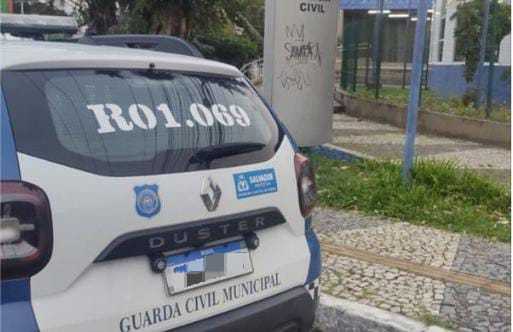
<point>377,283</point>
<point>386,141</point>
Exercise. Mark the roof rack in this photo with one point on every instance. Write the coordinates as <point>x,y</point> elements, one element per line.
<point>159,43</point>
<point>38,26</point>
<point>30,25</point>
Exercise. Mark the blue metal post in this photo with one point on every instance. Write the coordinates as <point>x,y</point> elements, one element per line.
<point>415,86</point>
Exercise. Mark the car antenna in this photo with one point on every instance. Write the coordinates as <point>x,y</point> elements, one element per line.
<point>151,67</point>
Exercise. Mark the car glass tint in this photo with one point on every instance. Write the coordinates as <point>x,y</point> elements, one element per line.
<point>135,122</point>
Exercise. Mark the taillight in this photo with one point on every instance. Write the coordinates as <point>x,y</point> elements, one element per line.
<point>26,235</point>
<point>305,184</point>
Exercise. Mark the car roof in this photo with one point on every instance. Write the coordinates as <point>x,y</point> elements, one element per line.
<point>20,55</point>
<point>159,43</point>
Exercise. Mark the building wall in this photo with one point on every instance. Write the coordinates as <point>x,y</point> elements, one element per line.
<point>448,53</point>
<point>435,31</point>
<point>442,31</point>
<point>505,51</point>
<point>450,27</point>
<point>447,80</point>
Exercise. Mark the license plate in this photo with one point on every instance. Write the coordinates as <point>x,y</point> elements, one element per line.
<point>202,267</point>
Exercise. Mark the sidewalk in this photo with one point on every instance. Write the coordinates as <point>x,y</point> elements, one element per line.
<point>385,141</point>
<point>440,278</point>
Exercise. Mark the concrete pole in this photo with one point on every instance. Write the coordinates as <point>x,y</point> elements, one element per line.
<point>300,86</point>
<point>482,53</point>
<point>415,86</point>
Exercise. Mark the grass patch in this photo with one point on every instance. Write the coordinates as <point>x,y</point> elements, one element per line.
<point>432,102</point>
<point>435,320</point>
<point>440,195</point>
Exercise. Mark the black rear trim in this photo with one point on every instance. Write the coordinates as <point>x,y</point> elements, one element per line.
<point>190,234</point>
<point>158,43</point>
<point>293,310</point>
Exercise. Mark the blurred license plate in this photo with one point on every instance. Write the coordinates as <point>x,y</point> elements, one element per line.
<point>202,267</point>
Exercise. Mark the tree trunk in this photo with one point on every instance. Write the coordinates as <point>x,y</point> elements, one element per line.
<point>176,21</point>
<point>183,27</point>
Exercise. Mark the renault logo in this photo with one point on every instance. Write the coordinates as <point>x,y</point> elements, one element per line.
<point>210,194</point>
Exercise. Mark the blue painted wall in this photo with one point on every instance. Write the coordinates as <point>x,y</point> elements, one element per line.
<point>373,4</point>
<point>447,80</point>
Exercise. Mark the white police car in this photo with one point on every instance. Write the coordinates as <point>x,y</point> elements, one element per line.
<point>143,191</point>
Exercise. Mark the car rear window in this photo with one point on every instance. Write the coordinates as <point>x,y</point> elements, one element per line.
<point>135,122</point>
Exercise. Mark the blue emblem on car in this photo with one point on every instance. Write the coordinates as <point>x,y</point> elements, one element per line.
<point>147,202</point>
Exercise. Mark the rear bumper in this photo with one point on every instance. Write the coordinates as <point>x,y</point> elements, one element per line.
<point>293,310</point>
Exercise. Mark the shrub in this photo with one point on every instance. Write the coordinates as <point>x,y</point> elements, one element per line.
<point>232,49</point>
<point>469,97</point>
<point>469,16</point>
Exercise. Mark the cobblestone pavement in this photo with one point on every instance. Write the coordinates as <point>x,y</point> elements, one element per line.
<point>382,287</point>
<point>475,310</point>
<point>451,305</point>
<point>420,245</point>
<point>484,258</point>
<point>386,141</point>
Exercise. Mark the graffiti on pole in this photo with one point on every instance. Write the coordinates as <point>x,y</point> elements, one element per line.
<point>299,59</point>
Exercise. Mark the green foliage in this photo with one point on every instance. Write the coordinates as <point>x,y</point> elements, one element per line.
<point>99,15</point>
<point>440,195</point>
<point>172,17</point>
<point>469,16</point>
<point>433,102</point>
<point>4,6</point>
<point>430,319</point>
<point>469,97</point>
<point>210,24</point>
<point>235,50</point>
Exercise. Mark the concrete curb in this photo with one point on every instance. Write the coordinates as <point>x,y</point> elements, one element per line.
<point>429,122</point>
<point>336,314</point>
<point>335,152</point>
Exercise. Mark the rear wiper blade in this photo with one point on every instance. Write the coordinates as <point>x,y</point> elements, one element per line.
<point>206,155</point>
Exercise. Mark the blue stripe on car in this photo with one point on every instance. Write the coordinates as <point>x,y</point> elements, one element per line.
<point>17,312</point>
<point>314,268</point>
<point>9,163</point>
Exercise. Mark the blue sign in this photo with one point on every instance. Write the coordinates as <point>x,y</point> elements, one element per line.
<point>255,183</point>
<point>147,202</point>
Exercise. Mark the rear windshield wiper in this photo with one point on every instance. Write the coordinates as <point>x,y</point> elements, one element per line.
<point>205,156</point>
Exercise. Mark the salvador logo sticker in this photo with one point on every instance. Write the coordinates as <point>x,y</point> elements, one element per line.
<point>255,183</point>
<point>147,202</point>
